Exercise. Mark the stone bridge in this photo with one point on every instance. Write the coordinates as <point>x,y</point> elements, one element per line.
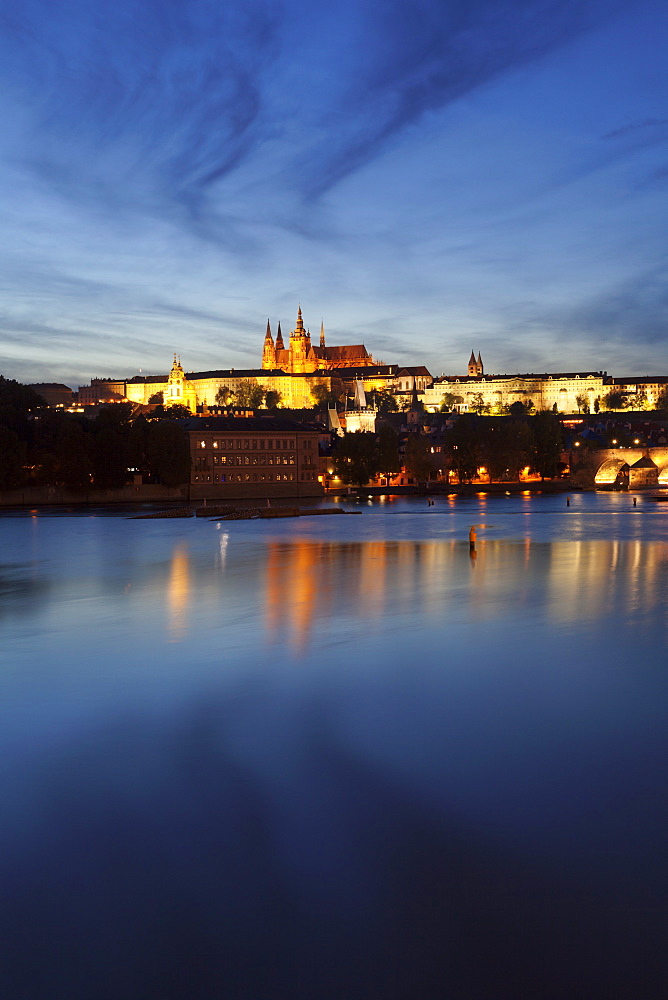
<point>602,467</point>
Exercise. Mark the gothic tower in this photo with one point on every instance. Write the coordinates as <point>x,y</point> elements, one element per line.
<point>300,344</point>
<point>475,367</point>
<point>322,334</point>
<point>268,351</point>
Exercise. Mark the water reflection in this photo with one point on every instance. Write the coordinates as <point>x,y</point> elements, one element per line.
<point>309,583</point>
<point>178,594</point>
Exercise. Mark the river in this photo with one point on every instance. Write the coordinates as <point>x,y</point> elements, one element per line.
<point>336,757</point>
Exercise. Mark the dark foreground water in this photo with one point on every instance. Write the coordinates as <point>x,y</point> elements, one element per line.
<point>339,757</point>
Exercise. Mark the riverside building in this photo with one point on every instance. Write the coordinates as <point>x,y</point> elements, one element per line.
<point>253,457</point>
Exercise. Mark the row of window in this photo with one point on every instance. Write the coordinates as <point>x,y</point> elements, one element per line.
<point>285,477</point>
<point>252,460</point>
<point>254,444</point>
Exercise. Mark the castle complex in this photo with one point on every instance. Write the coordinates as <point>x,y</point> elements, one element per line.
<point>294,371</point>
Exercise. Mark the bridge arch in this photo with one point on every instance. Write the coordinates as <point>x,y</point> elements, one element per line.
<point>610,470</point>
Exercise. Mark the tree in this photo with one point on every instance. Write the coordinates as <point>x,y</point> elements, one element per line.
<point>356,458</point>
<point>157,397</point>
<point>597,404</point>
<point>614,400</point>
<point>17,401</point>
<point>464,445</point>
<point>223,395</point>
<point>272,398</point>
<point>662,399</point>
<point>417,458</point>
<point>548,445</point>
<point>249,395</point>
<point>12,459</point>
<point>176,412</point>
<point>507,447</point>
<point>478,403</point>
<point>449,401</point>
<point>517,409</point>
<point>582,403</point>
<point>168,452</point>
<point>641,398</point>
<point>387,443</point>
<point>385,401</point>
<point>110,458</point>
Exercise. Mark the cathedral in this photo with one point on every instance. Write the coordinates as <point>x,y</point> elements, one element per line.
<point>301,356</point>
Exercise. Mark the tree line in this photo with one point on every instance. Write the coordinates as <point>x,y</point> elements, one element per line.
<point>503,446</point>
<point>51,448</point>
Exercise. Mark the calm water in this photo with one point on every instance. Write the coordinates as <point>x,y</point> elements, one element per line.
<point>336,757</point>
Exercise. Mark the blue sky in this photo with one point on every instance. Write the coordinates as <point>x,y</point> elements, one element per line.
<point>427,177</point>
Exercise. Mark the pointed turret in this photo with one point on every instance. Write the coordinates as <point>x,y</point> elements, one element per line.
<point>481,370</point>
<point>322,334</point>
<point>473,365</point>
<point>415,402</point>
<point>268,351</point>
<point>280,346</point>
<point>299,328</point>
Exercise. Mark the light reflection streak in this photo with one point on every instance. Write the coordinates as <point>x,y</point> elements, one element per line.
<point>178,594</point>
<point>311,583</point>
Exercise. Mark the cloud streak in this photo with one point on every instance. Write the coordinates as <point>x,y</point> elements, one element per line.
<point>155,103</point>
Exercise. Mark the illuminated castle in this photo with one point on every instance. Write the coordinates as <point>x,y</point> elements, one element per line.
<point>301,356</point>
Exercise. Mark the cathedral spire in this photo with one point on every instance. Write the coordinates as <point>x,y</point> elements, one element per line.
<point>280,346</point>
<point>299,328</point>
<point>322,334</point>
<point>268,351</point>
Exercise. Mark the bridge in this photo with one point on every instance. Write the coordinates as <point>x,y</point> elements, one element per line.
<point>607,466</point>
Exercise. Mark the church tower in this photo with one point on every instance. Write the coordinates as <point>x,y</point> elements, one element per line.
<point>475,367</point>
<point>280,346</point>
<point>322,334</point>
<point>300,345</point>
<point>268,351</point>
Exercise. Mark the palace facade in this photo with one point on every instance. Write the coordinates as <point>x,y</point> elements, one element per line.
<point>497,392</point>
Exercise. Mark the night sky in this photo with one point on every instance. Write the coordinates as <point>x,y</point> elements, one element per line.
<point>427,177</point>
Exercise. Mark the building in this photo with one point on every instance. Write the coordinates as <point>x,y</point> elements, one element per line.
<point>564,391</point>
<point>641,393</point>
<point>53,393</point>
<point>253,457</point>
<point>359,417</point>
<point>301,356</point>
<point>102,390</point>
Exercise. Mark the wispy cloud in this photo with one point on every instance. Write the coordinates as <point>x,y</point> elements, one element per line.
<point>153,104</point>
<point>634,127</point>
